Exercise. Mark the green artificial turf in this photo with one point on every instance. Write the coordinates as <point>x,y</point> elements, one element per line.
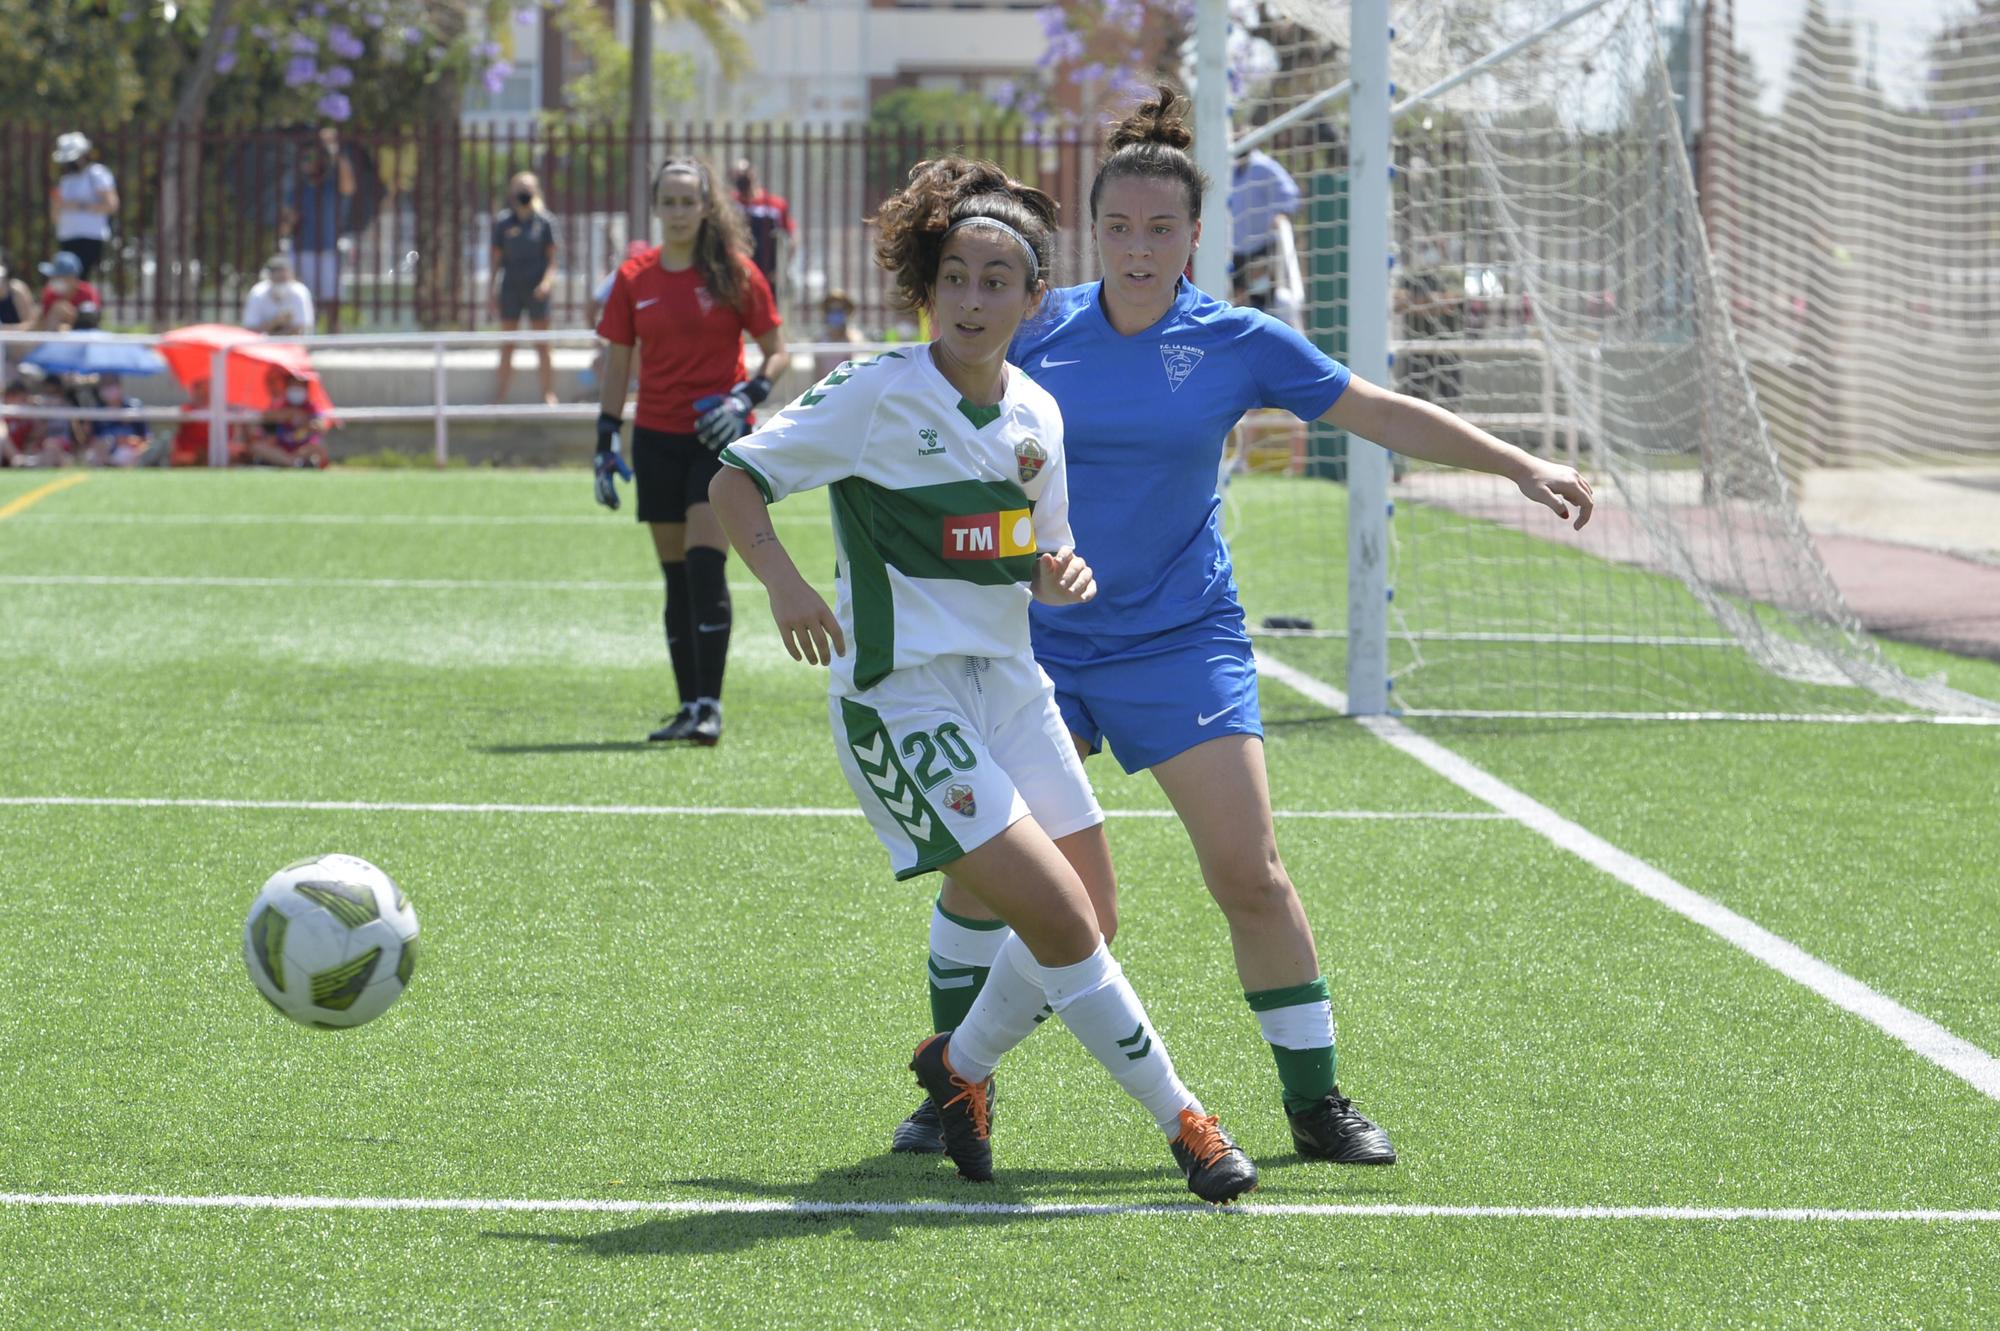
<point>703,1009</point>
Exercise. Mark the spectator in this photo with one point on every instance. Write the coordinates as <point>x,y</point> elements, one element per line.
<point>290,431</point>
<point>68,301</point>
<point>837,312</point>
<point>190,446</point>
<point>25,442</point>
<point>82,202</point>
<point>1260,192</point>
<point>315,215</point>
<point>120,443</point>
<point>524,271</point>
<point>280,304</point>
<point>770,219</point>
<point>18,311</point>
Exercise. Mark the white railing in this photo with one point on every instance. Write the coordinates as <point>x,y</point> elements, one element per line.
<point>441,412</point>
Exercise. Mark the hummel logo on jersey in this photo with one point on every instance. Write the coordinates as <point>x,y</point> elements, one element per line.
<point>1180,362</point>
<point>931,446</point>
<point>1048,364</point>
<point>989,535</point>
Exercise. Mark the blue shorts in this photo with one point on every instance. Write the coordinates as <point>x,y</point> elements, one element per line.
<point>1154,697</point>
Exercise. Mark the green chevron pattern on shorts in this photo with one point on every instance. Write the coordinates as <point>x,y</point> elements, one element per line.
<point>336,989</point>
<point>267,944</point>
<point>352,906</point>
<point>875,753</point>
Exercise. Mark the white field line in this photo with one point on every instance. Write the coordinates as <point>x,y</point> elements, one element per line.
<point>340,584</point>
<point>648,810</point>
<point>1918,1033</point>
<point>1038,1210</point>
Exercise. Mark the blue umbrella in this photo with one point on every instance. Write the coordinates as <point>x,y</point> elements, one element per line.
<point>90,352</point>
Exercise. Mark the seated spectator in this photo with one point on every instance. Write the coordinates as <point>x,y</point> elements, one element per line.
<point>838,312</point>
<point>290,433</point>
<point>68,301</point>
<point>121,443</point>
<point>190,446</point>
<point>18,311</point>
<point>26,442</point>
<point>280,304</point>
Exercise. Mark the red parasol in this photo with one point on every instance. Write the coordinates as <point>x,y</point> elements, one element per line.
<point>190,354</point>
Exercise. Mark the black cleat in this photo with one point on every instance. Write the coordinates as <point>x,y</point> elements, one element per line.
<point>679,726</point>
<point>960,1106</point>
<point>707,730</point>
<point>1334,1130</point>
<point>920,1133</point>
<point>1216,1168</point>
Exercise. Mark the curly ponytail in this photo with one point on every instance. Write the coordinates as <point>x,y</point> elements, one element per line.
<point>1153,142</point>
<point>944,190</point>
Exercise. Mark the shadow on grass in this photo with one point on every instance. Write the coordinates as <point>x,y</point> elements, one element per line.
<point>578,746</point>
<point>888,1179</point>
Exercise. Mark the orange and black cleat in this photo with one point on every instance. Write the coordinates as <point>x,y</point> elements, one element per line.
<point>1216,1168</point>
<point>962,1109</point>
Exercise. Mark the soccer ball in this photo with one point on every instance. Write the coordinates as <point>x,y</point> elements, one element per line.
<point>331,941</point>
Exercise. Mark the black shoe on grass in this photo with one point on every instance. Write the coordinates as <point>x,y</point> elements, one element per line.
<point>920,1133</point>
<point>961,1109</point>
<point>1334,1130</point>
<point>1216,1168</point>
<point>679,726</point>
<point>707,730</point>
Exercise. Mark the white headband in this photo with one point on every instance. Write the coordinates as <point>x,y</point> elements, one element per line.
<point>1034,264</point>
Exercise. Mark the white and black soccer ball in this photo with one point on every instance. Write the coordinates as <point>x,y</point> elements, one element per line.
<point>331,941</point>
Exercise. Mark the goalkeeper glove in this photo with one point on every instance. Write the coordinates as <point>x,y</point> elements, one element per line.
<point>725,419</point>
<point>610,461</point>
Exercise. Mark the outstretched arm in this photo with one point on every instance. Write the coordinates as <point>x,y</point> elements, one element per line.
<point>805,624</point>
<point>1421,430</point>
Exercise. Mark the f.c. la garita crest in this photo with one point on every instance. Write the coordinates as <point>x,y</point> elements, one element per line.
<point>1180,362</point>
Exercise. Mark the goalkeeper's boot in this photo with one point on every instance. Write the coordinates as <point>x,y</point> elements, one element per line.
<point>1334,1130</point>
<point>922,1134</point>
<point>961,1109</point>
<point>679,726</point>
<point>707,730</point>
<point>1216,1168</point>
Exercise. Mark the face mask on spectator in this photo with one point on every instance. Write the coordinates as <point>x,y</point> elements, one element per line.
<point>743,184</point>
<point>836,319</point>
<point>296,396</point>
<point>524,197</point>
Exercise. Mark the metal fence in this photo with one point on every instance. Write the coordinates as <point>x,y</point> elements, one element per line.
<point>200,212</point>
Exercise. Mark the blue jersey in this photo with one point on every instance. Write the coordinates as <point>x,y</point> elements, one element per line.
<point>1145,418</point>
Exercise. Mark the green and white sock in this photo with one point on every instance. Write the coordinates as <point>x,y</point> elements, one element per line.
<point>1298,1025</point>
<point>962,953</point>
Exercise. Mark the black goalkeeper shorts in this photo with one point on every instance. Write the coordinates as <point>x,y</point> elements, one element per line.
<point>671,472</point>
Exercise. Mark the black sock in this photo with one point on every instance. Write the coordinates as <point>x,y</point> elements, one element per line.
<point>680,629</point>
<point>708,590</point>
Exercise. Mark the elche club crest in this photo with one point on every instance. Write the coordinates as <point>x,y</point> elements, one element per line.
<point>958,798</point>
<point>1180,362</point>
<point>707,302</point>
<point>1029,458</point>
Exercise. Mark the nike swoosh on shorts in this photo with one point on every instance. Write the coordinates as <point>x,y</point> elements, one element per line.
<point>1204,720</point>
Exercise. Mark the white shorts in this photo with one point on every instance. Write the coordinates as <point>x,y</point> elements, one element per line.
<point>948,755</point>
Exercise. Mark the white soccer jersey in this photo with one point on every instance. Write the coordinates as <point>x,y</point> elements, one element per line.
<point>939,507</point>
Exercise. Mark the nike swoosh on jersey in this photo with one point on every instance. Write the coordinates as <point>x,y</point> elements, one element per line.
<point>1204,720</point>
<point>640,305</point>
<point>1048,364</point>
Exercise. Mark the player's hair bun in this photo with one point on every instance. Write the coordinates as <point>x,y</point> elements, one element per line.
<point>1162,120</point>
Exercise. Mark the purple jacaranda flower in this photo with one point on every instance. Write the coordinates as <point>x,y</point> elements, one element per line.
<point>335,106</point>
<point>496,76</point>
<point>319,11</point>
<point>486,51</point>
<point>525,17</point>
<point>225,60</point>
<point>301,69</point>
<point>339,76</point>
<point>413,35</point>
<point>301,44</point>
<point>343,43</point>
<point>1005,92</point>
<point>262,33</point>
<point>375,20</point>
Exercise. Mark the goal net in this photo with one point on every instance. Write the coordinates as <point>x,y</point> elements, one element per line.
<point>1553,282</point>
